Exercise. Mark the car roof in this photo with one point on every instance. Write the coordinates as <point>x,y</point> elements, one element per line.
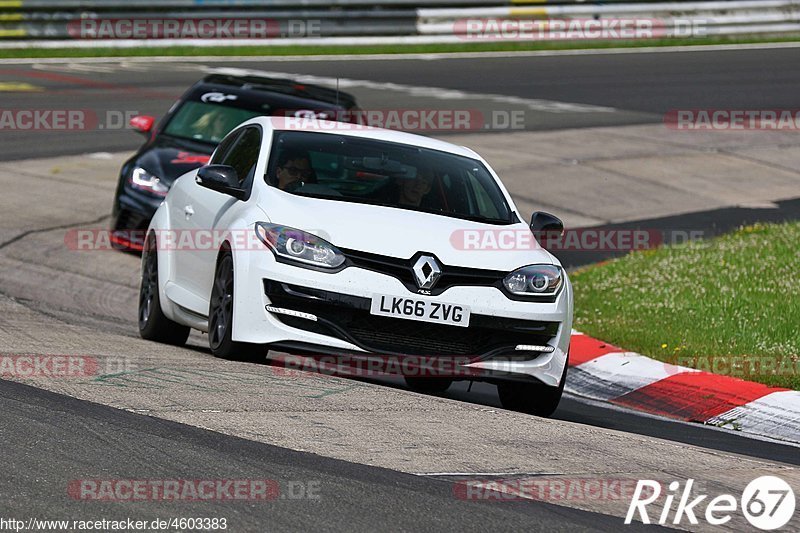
<point>356,130</point>
<point>254,91</point>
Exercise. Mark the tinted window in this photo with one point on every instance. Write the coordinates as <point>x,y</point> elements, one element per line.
<point>244,154</point>
<point>354,169</point>
<point>207,122</point>
<point>223,148</point>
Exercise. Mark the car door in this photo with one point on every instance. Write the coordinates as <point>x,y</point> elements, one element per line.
<point>184,196</point>
<point>207,207</point>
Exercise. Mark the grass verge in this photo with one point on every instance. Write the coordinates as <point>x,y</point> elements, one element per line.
<point>730,305</point>
<point>300,50</point>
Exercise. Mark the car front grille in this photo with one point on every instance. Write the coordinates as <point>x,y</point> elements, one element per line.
<point>402,270</point>
<point>348,318</point>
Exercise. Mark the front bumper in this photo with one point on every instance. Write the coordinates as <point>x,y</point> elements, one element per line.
<point>340,302</point>
<point>131,216</point>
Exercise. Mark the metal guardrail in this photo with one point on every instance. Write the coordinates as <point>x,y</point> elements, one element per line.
<point>405,21</point>
<point>325,23</point>
<point>107,5</point>
<point>677,19</point>
<point>119,5</point>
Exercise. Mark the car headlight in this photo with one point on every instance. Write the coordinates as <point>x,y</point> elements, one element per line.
<point>142,179</point>
<point>534,280</point>
<point>299,246</point>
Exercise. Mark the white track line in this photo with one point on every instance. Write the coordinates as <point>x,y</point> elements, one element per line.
<point>414,56</point>
<point>418,91</point>
<point>485,474</point>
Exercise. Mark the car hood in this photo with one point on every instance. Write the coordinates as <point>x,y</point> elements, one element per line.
<point>402,233</point>
<point>169,160</point>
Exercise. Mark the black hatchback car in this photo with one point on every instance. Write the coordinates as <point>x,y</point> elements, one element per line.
<point>187,136</point>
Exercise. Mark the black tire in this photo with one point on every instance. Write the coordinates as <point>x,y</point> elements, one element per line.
<point>220,317</point>
<point>428,385</point>
<point>153,324</point>
<point>532,398</point>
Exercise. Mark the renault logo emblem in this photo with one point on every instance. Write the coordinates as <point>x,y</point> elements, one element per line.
<point>426,272</point>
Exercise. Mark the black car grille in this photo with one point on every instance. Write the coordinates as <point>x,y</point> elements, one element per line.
<point>402,270</point>
<point>348,318</point>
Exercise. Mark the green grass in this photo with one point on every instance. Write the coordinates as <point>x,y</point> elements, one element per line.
<point>733,302</point>
<point>278,50</point>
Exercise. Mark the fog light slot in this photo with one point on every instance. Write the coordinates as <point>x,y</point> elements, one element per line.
<point>289,312</point>
<point>534,348</point>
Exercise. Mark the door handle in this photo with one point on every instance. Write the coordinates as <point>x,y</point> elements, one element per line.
<point>188,211</point>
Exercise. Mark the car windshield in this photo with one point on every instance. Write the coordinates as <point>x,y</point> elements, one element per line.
<point>207,122</point>
<point>355,169</point>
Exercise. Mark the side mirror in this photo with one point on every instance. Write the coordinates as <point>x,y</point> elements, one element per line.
<point>545,225</point>
<point>142,123</point>
<point>220,178</point>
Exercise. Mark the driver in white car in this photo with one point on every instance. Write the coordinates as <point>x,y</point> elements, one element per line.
<point>413,191</point>
<point>294,170</point>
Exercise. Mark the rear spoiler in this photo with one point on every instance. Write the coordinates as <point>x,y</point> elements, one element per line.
<point>285,86</point>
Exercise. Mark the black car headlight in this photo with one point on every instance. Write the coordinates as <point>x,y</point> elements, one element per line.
<point>535,280</point>
<point>298,246</point>
<point>146,181</point>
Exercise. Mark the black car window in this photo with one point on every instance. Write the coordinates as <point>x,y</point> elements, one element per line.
<point>363,170</point>
<point>224,147</point>
<point>207,122</point>
<point>243,156</point>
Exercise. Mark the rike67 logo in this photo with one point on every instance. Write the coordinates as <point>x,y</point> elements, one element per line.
<point>767,503</point>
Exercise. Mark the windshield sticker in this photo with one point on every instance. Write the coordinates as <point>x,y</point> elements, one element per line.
<point>217,97</point>
<point>308,113</point>
<point>185,158</point>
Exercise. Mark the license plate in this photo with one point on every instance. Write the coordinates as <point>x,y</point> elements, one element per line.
<point>422,310</point>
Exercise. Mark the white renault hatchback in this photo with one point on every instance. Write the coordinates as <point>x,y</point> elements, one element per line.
<point>318,237</point>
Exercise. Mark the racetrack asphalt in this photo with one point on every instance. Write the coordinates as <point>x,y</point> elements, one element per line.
<point>638,88</point>
<point>51,441</point>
